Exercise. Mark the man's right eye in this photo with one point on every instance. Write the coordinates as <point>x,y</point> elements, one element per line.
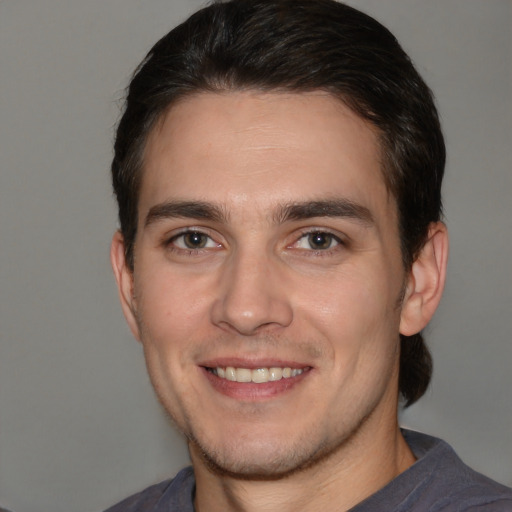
<point>193,240</point>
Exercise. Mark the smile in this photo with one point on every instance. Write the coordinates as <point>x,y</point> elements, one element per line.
<point>258,375</point>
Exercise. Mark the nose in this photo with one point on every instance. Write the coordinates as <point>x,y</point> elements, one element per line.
<point>253,296</point>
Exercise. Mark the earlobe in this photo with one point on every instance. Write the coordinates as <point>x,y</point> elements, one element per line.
<point>124,280</point>
<point>426,282</point>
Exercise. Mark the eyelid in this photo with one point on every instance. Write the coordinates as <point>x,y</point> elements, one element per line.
<point>169,238</point>
<point>340,239</point>
<point>173,233</point>
<point>209,243</point>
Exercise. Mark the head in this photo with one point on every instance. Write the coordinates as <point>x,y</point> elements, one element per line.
<point>298,46</point>
<point>278,169</point>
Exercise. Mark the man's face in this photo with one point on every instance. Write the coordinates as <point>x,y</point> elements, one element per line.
<point>268,251</point>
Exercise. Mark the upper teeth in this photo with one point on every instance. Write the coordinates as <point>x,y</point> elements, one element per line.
<point>258,375</point>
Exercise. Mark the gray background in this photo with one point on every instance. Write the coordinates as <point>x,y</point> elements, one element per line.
<point>79,427</point>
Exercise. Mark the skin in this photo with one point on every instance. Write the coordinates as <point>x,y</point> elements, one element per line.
<point>251,176</point>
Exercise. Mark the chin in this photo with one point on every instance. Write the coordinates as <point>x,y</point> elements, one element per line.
<point>258,460</point>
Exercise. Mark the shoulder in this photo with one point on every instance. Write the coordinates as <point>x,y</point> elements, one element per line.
<point>451,485</point>
<point>438,482</point>
<point>474,492</point>
<point>175,494</point>
<point>477,493</point>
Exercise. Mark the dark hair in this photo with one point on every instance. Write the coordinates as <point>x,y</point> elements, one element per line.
<point>298,46</point>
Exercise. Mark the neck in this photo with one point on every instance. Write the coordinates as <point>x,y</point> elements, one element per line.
<point>356,470</point>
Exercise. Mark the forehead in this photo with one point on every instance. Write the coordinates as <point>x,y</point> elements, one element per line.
<point>253,150</point>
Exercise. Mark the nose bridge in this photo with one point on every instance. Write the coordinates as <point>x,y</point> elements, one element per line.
<point>252,295</point>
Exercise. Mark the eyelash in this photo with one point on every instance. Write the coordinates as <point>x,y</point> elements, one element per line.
<point>170,243</point>
<point>337,240</point>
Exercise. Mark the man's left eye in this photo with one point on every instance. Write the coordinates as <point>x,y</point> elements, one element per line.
<point>317,241</point>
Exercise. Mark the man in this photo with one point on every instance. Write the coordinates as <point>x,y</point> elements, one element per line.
<point>278,171</point>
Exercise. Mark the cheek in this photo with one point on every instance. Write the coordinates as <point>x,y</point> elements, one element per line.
<point>351,300</point>
<point>172,316</point>
<point>359,320</point>
<point>171,306</point>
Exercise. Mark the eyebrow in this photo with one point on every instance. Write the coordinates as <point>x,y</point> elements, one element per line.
<point>341,208</point>
<point>185,209</point>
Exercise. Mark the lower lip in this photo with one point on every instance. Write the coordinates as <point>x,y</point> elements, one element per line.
<point>250,391</point>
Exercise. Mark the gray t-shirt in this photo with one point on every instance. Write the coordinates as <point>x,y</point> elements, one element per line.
<point>437,482</point>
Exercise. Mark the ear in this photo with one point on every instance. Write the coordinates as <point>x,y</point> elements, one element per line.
<point>124,279</point>
<point>425,282</point>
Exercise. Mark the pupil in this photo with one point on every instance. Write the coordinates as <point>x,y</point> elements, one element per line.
<point>195,240</point>
<point>320,240</point>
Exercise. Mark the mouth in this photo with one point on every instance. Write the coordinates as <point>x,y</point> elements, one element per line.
<point>256,375</point>
<point>254,380</point>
